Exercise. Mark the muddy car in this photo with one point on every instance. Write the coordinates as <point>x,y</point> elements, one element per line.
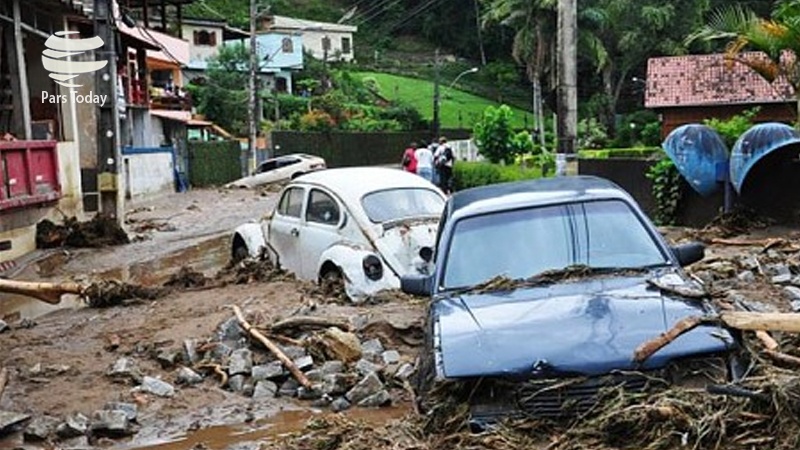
<point>541,292</point>
<point>361,228</point>
<point>279,170</point>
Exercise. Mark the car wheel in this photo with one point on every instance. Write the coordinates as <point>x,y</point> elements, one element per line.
<point>240,253</point>
<point>332,283</point>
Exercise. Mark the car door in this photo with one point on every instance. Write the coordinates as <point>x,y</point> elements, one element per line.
<point>285,229</point>
<point>322,228</point>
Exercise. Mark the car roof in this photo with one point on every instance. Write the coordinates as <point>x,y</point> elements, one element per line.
<point>534,192</point>
<point>353,182</point>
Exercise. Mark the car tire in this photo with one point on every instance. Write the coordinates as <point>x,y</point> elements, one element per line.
<point>239,254</point>
<point>332,283</point>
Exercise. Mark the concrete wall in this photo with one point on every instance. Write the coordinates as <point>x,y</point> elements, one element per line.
<point>201,52</point>
<point>147,171</point>
<point>312,41</point>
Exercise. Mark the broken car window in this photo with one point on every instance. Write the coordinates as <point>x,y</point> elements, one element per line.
<point>291,203</point>
<point>522,243</point>
<point>395,204</point>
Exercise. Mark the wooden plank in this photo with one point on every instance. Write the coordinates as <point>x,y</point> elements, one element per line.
<point>754,321</point>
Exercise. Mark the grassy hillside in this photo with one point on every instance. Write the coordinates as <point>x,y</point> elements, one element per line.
<point>457,109</point>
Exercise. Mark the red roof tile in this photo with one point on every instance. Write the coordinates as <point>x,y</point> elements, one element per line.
<point>695,80</point>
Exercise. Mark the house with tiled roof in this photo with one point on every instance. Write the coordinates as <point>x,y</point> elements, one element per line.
<point>692,88</point>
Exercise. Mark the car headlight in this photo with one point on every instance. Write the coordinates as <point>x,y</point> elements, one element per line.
<point>373,268</point>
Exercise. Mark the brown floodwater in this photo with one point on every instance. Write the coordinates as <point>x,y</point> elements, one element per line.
<point>266,430</point>
<point>207,256</point>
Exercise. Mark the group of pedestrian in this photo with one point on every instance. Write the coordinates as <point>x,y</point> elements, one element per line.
<point>434,162</point>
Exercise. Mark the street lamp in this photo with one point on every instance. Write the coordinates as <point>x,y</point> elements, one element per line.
<point>436,96</point>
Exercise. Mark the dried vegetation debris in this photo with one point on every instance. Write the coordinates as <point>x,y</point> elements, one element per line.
<point>100,231</point>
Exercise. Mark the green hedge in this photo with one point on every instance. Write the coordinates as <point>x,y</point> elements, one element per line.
<point>214,163</point>
<point>634,152</point>
<point>473,174</point>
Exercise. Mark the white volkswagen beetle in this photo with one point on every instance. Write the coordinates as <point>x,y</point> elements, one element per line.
<point>363,227</point>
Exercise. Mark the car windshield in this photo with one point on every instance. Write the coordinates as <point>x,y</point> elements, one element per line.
<point>397,204</point>
<point>523,243</point>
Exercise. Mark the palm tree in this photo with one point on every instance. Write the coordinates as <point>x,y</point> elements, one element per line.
<point>776,38</point>
<point>534,42</point>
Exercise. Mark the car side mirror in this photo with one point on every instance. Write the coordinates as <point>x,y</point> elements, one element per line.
<point>426,253</point>
<point>689,253</point>
<point>416,285</point>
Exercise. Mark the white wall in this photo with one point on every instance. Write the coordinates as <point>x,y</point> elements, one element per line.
<point>148,173</point>
<point>312,41</point>
<point>201,52</point>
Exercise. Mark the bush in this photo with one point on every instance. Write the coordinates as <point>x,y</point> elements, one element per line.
<point>473,174</point>
<point>635,152</point>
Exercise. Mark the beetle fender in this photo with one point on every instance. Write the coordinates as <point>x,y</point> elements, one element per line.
<point>251,235</point>
<point>349,260</point>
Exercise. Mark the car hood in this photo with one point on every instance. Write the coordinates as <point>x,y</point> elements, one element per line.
<point>400,242</point>
<point>589,327</point>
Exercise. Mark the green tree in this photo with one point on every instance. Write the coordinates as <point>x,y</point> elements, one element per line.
<point>776,38</point>
<point>494,135</point>
<point>223,98</point>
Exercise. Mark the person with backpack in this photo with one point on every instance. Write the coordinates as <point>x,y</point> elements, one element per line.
<point>409,161</point>
<point>443,162</point>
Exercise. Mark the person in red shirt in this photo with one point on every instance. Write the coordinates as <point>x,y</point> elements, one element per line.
<point>410,159</point>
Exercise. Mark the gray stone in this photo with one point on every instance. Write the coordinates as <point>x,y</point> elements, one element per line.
<point>303,393</point>
<point>372,349</point>
<point>782,278</point>
<point>364,367</point>
<point>340,404</point>
<point>304,362</point>
<point>221,351</point>
<point>380,398</point>
<point>330,367</point>
<point>778,270</point>
<point>168,358</point>
<point>359,321</point>
<point>190,354</point>
<point>236,383</point>
<point>792,292</point>
<point>111,422</point>
<point>241,362</point>
<point>248,388</point>
<point>321,402</point>
<point>289,388</point>
<point>9,419</point>
<point>157,387</point>
<point>268,371</point>
<point>40,428</point>
<point>294,351</point>
<point>337,383</point>
<point>230,330</point>
<point>746,276</point>
<point>76,443</point>
<point>368,386</point>
<point>124,369</point>
<point>749,262</point>
<point>4,326</point>
<point>75,425</point>
<point>391,357</point>
<point>188,376</point>
<point>404,372</point>
<point>315,375</point>
<point>130,409</point>
<point>265,389</point>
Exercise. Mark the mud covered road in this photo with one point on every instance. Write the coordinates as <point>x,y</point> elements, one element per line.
<point>177,372</point>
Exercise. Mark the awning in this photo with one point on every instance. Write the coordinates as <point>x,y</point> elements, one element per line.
<point>184,117</point>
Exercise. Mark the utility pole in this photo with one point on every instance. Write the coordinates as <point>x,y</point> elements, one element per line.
<point>108,139</point>
<point>436,82</point>
<point>252,104</point>
<point>567,77</point>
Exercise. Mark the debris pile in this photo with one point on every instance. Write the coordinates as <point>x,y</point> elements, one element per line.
<point>101,231</point>
<point>736,222</point>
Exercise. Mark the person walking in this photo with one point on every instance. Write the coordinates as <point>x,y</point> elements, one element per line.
<point>424,162</point>
<point>443,164</point>
<point>409,161</point>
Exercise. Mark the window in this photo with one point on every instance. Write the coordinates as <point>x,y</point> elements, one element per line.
<point>398,204</point>
<point>204,37</point>
<point>283,162</point>
<point>526,242</point>
<point>266,166</point>
<point>326,43</point>
<point>322,208</point>
<point>287,46</point>
<point>346,45</point>
<point>291,203</point>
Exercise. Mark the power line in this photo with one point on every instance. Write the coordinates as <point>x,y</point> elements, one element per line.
<point>418,10</point>
<point>380,8</point>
